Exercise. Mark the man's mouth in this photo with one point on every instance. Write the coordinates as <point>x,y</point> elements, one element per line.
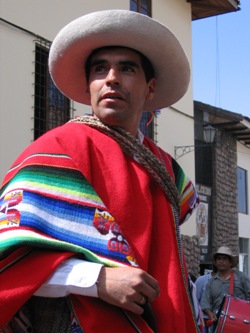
<point>113,96</point>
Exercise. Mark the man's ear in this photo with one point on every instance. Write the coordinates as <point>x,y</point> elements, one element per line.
<point>151,88</point>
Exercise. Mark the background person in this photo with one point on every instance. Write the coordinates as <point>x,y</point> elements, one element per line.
<point>219,285</point>
<point>200,284</point>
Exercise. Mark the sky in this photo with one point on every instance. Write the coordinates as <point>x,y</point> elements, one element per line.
<point>221,60</point>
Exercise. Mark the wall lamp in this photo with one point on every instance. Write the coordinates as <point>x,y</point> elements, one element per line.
<point>209,135</point>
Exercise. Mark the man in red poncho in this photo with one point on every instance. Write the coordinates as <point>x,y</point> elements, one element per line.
<point>90,212</point>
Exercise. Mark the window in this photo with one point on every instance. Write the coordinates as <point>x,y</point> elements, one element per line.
<point>52,108</point>
<point>243,255</point>
<point>147,124</point>
<point>242,190</point>
<point>141,6</point>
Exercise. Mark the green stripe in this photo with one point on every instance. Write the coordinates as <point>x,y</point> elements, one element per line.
<point>42,242</point>
<point>65,180</point>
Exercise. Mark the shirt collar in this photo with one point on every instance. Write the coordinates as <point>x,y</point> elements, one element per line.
<point>140,136</point>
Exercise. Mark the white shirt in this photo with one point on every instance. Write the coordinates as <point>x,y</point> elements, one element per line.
<point>73,276</point>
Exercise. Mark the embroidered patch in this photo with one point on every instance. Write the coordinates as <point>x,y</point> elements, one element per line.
<point>107,226</point>
<point>9,214</point>
<point>102,221</point>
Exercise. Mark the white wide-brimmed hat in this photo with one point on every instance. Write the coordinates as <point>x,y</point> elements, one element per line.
<point>75,42</point>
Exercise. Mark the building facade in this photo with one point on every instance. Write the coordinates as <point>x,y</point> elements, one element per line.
<point>222,172</point>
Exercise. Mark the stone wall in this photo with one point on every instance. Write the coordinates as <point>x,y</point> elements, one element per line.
<point>192,252</point>
<point>225,196</point>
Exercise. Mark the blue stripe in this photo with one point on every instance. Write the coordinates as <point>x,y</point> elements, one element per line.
<point>86,234</point>
<point>62,209</point>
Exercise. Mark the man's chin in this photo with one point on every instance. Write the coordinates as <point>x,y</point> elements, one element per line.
<point>109,115</point>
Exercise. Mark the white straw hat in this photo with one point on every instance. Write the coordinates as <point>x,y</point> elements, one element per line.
<point>74,43</point>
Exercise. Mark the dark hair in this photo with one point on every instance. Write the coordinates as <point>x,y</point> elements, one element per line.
<point>145,63</point>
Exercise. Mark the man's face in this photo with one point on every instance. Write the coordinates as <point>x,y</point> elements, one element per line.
<point>118,88</point>
<point>222,262</point>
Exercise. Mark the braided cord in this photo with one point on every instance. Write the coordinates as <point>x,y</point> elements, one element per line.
<point>133,147</point>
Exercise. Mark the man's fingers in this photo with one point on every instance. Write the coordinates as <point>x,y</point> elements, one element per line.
<point>151,293</point>
<point>153,287</point>
<point>127,287</point>
<point>142,300</point>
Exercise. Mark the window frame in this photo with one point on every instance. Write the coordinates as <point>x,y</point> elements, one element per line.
<point>140,7</point>
<point>242,190</point>
<point>148,124</point>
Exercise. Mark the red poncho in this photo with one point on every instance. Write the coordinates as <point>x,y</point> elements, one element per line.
<point>126,190</point>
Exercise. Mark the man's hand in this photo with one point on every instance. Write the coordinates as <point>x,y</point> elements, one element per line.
<point>127,287</point>
<point>212,316</point>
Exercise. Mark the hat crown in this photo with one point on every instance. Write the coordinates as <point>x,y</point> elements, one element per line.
<point>225,250</point>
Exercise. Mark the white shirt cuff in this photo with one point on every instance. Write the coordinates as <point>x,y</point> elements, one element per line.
<point>73,276</point>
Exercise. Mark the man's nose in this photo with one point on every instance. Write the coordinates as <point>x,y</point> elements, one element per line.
<point>112,76</point>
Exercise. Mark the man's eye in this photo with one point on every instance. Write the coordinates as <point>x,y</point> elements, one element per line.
<point>99,68</point>
<point>127,69</point>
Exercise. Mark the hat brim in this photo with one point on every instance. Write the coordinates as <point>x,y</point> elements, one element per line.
<point>75,42</point>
